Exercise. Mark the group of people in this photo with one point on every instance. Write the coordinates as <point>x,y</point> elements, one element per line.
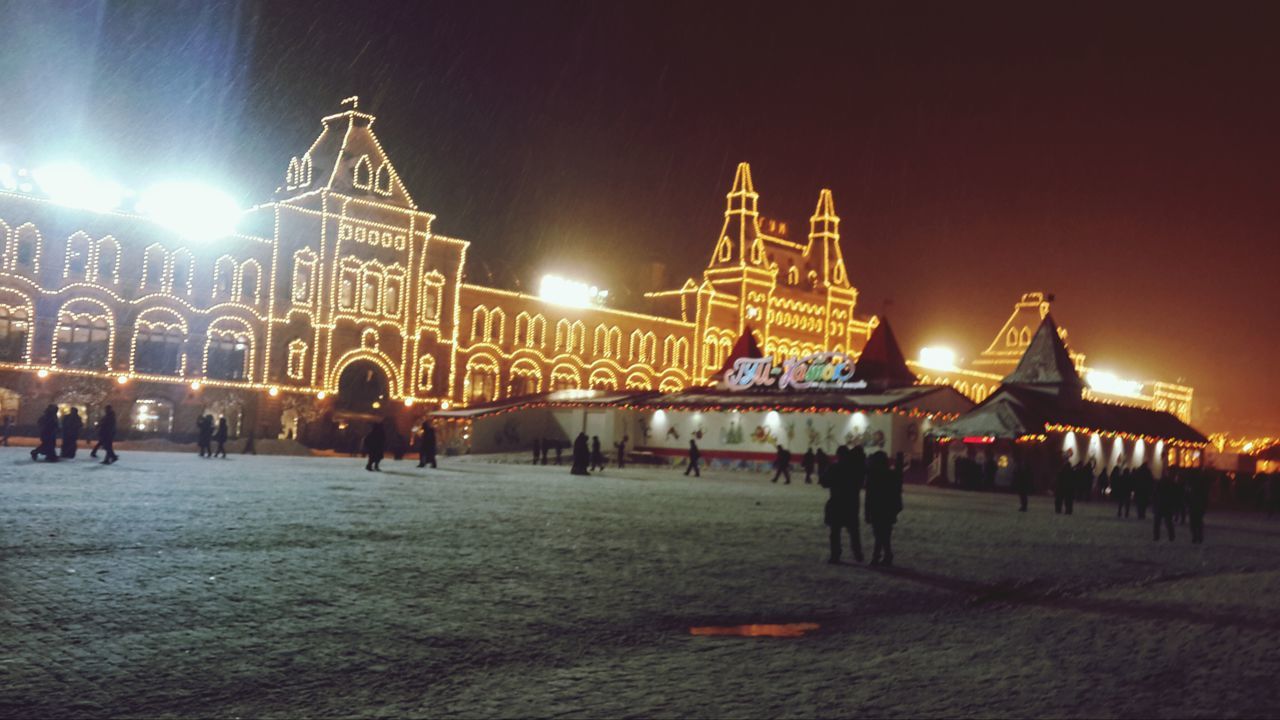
<point>375,446</point>
<point>207,433</point>
<point>588,457</point>
<point>857,483</point>
<point>69,427</point>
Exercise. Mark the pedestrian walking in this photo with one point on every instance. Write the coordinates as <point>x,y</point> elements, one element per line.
<point>427,445</point>
<point>559,450</point>
<point>1166,504</point>
<point>7,432</point>
<point>546,448</point>
<point>882,506</point>
<point>694,456</point>
<point>107,435</point>
<point>1100,488</point>
<point>1121,490</point>
<point>375,447</point>
<point>1064,489</point>
<point>220,437</point>
<point>1143,485</point>
<point>622,452</point>
<point>841,511</point>
<point>537,450</point>
<point>597,455</point>
<point>72,424</point>
<point>204,435</point>
<point>782,465</point>
<point>48,428</point>
<point>821,462</point>
<point>581,456</point>
<point>1022,482</point>
<point>806,463</point>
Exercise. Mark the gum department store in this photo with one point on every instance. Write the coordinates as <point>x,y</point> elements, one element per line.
<point>337,300</point>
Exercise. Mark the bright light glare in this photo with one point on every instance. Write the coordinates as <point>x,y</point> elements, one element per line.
<point>8,181</point>
<point>1107,382</point>
<point>72,185</point>
<point>938,358</point>
<point>563,291</point>
<point>195,211</point>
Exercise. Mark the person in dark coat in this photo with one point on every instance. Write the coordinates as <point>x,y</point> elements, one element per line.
<point>694,456</point>
<point>220,437</point>
<point>204,435</point>
<point>1197,503</point>
<point>882,505</point>
<point>375,446</point>
<point>597,456</point>
<point>427,445</point>
<point>537,450</point>
<point>782,465</point>
<point>559,451</point>
<point>581,456</point>
<point>107,435</point>
<point>1167,498</point>
<point>1143,485</point>
<point>546,448</point>
<point>48,427</point>
<point>1065,487</point>
<point>1121,490</point>
<point>821,462</point>
<point>72,424</point>
<point>8,430</point>
<point>806,462</point>
<point>622,452</point>
<point>841,510</point>
<point>1101,483</point>
<point>1022,483</point>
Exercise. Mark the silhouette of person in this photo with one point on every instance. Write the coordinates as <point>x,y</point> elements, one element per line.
<point>71,426</point>
<point>806,463</point>
<point>375,446</point>
<point>559,450</point>
<point>1167,498</point>
<point>581,455</point>
<point>8,430</point>
<point>820,463</point>
<point>694,456</point>
<point>1064,490</point>
<point>882,505</point>
<point>204,435</point>
<point>107,436</point>
<point>1197,503</point>
<point>1143,485</point>
<point>427,445</point>
<point>597,457</point>
<point>537,450</point>
<point>220,437</point>
<point>622,452</point>
<point>48,428</point>
<point>844,481</point>
<point>1121,490</point>
<point>782,465</point>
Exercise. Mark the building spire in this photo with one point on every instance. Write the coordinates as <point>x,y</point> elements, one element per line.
<point>742,198</point>
<point>824,239</point>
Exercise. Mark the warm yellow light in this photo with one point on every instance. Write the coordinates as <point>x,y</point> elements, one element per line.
<point>444,404</point>
<point>322,395</point>
<point>195,385</point>
<point>938,358</point>
<point>573,293</point>
<point>376,405</point>
<point>1107,382</point>
<point>274,391</point>
<point>408,402</point>
<point>122,379</point>
<point>42,373</point>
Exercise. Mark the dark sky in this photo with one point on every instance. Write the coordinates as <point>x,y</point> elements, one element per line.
<point>1121,155</point>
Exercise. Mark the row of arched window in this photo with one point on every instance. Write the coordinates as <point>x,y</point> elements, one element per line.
<point>483,379</point>
<point>370,288</point>
<point>489,326</point>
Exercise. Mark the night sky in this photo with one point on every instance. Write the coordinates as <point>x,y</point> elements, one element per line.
<point>1124,158</point>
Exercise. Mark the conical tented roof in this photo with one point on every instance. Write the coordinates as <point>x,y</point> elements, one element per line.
<point>1046,363</point>
<point>745,347</point>
<point>881,363</point>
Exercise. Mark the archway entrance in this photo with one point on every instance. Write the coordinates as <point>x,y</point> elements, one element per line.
<point>362,388</point>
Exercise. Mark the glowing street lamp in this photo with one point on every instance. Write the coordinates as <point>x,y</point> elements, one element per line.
<point>938,358</point>
<point>69,184</point>
<point>573,293</point>
<point>193,210</point>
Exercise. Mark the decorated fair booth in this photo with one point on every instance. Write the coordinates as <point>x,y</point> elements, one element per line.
<point>1037,419</point>
<point>819,401</point>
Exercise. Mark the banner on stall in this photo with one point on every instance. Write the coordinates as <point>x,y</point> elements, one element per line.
<point>819,371</point>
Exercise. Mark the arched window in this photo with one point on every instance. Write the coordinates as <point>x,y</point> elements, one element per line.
<point>250,282</point>
<point>602,379</point>
<point>153,267</point>
<point>228,351</point>
<point>537,332</point>
<point>83,339</point>
<point>76,266</point>
<point>564,336</point>
<point>1025,337</point>
<point>183,266</point>
<point>371,288</point>
<point>564,377</point>
<point>348,284</point>
<point>670,385</point>
<point>304,270</point>
<point>393,293</point>
<point>497,326</point>
<point>481,383</point>
<point>382,180</point>
<point>297,359</point>
<point>526,379</point>
<point>637,381</point>
<point>27,258</point>
<point>432,292</point>
<point>224,272</point>
<point>520,334</point>
<point>793,275</point>
<point>712,350</point>
<point>157,348</point>
<point>363,173</point>
<point>15,328</point>
<point>426,373</point>
<point>304,176</point>
<point>104,266</point>
<point>479,323</point>
<point>1011,339</point>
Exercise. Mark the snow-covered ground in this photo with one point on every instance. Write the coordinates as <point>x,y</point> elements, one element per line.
<point>170,585</point>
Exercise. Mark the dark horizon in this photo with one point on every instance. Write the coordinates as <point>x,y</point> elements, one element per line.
<point>1123,159</point>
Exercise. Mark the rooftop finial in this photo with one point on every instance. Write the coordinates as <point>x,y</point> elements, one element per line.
<point>354,100</point>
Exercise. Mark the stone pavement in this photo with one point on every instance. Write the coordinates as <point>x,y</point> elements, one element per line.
<point>168,585</point>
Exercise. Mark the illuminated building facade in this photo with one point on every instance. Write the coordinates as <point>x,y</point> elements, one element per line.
<point>337,298</point>
<point>985,373</point>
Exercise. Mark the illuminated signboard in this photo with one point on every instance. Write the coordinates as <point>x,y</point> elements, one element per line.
<point>819,371</point>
